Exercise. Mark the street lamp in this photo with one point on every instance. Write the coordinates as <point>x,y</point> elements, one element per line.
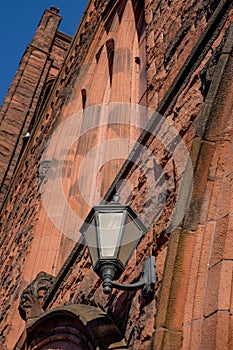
<point>111,233</point>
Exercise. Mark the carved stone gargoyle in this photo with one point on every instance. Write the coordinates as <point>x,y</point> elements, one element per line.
<point>32,298</point>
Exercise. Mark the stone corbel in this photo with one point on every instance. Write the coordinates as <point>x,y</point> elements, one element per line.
<point>32,298</point>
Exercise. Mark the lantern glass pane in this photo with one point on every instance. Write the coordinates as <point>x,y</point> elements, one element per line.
<point>130,237</point>
<point>91,241</point>
<point>110,227</point>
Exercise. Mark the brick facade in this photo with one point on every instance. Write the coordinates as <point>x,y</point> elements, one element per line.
<point>174,59</point>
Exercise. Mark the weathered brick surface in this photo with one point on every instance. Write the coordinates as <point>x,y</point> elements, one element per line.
<point>22,209</point>
<point>41,61</point>
<point>185,284</point>
<point>173,30</point>
<point>219,288</point>
<point>23,205</point>
<point>44,249</point>
<point>216,329</point>
<point>210,281</point>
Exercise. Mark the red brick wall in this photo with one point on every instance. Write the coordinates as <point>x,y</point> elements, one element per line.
<point>19,112</point>
<point>41,61</point>
<point>183,108</point>
<point>181,38</point>
<point>173,30</point>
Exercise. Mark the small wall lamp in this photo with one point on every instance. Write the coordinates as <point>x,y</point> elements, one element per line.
<point>111,233</point>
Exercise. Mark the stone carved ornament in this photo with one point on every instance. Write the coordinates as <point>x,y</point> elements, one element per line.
<point>44,170</point>
<point>32,298</point>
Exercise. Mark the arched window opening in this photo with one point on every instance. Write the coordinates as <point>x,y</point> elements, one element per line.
<point>73,327</point>
<point>59,329</point>
<point>138,10</point>
<point>110,15</point>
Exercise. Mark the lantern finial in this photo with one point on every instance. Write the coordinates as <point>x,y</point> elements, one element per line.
<point>116,198</point>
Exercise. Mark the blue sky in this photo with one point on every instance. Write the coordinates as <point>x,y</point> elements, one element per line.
<point>18,23</point>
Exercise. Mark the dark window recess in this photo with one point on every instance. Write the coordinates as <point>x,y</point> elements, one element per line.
<point>110,53</point>
<point>84,97</point>
<point>97,56</point>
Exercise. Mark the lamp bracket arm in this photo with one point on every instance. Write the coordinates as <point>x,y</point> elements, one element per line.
<point>132,286</point>
<point>147,283</point>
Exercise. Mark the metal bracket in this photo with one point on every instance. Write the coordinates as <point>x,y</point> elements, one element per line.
<point>148,281</point>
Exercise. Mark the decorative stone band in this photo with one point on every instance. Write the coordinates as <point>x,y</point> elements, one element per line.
<point>32,298</point>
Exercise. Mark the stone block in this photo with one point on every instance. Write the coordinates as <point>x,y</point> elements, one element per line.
<point>215,332</point>
<point>219,288</point>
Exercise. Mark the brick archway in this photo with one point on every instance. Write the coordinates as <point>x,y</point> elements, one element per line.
<point>74,327</point>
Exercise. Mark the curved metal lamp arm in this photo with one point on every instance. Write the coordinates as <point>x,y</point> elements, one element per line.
<point>147,283</point>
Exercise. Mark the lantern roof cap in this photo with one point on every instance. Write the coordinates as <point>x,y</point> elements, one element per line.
<point>111,207</point>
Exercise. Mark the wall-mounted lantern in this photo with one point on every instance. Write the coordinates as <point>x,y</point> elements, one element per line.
<point>111,233</point>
